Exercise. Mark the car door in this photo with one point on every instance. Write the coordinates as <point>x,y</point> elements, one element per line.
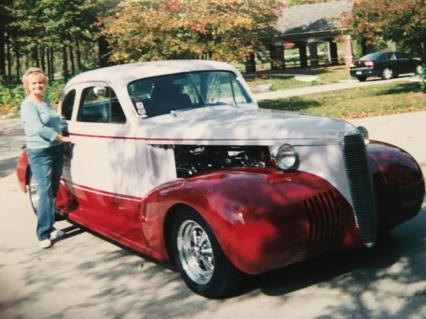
<point>103,172</point>
<point>392,62</point>
<point>406,64</point>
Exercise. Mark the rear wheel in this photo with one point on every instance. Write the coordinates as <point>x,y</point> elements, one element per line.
<point>33,191</point>
<point>387,74</point>
<point>200,259</point>
<point>419,69</point>
<point>34,196</point>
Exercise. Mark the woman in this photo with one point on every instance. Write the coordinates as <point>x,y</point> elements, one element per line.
<point>45,150</point>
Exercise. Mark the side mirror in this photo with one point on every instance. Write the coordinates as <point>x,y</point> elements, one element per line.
<point>100,91</point>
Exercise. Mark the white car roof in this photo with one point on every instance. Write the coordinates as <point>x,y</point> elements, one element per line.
<point>126,73</point>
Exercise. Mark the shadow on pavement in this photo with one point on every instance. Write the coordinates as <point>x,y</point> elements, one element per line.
<point>293,104</point>
<point>8,166</point>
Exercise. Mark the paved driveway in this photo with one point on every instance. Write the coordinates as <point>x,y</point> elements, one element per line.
<point>84,276</point>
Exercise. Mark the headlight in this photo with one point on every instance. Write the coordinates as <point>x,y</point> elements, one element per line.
<point>364,133</point>
<point>284,156</point>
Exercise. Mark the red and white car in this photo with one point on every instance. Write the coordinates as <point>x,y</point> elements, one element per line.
<point>175,160</point>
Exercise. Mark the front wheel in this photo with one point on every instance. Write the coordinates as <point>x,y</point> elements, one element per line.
<point>419,69</point>
<point>200,259</point>
<point>361,78</point>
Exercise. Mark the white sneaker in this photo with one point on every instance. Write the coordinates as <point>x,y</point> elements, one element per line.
<point>57,234</point>
<point>45,243</point>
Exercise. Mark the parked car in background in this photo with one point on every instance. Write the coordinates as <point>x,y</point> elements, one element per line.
<point>385,64</point>
<point>175,160</point>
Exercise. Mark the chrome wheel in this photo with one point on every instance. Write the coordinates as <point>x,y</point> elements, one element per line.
<point>33,192</point>
<point>195,252</point>
<point>419,69</point>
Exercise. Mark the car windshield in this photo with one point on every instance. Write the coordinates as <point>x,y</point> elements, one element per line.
<point>372,56</point>
<point>164,94</point>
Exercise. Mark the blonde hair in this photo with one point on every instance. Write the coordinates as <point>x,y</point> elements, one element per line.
<point>29,72</point>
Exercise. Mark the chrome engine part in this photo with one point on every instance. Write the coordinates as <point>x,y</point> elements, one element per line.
<point>195,159</point>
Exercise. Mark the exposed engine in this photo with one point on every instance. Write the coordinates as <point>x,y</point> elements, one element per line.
<point>194,159</point>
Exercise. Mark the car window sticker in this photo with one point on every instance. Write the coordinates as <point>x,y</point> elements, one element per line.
<point>140,109</point>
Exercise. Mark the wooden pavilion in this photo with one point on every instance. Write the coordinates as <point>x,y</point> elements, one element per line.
<point>304,27</point>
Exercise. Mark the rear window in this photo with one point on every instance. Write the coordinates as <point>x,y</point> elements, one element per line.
<point>68,104</point>
<point>373,56</point>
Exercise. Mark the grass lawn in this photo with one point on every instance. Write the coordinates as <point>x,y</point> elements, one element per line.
<point>285,80</point>
<point>357,102</point>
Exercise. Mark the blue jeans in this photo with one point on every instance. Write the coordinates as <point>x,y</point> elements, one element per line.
<point>46,166</point>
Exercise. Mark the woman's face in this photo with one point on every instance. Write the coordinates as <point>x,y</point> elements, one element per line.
<point>36,84</point>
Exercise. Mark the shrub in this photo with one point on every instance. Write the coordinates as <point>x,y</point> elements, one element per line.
<point>11,95</point>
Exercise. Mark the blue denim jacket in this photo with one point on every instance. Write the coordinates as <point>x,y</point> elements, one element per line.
<point>41,124</point>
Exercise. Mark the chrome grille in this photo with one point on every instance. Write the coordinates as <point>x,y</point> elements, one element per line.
<point>361,186</point>
<point>324,218</point>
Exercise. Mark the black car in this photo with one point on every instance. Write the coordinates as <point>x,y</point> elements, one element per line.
<point>385,64</point>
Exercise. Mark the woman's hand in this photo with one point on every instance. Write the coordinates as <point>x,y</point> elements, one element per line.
<point>63,139</point>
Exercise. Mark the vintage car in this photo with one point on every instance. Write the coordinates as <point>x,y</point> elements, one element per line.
<point>175,160</point>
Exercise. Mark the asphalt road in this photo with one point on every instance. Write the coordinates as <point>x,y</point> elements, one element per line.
<point>84,276</point>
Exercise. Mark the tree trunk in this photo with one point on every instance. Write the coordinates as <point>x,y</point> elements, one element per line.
<point>363,46</point>
<point>2,52</point>
<point>43,58</point>
<point>51,63</point>
<point>9,59</point>
<point>250,64</point>
<point>78,53</point>
<point>18,61</point>
<point>35,57</point>
<point>104,51</point>
<point>49,66</point>
<point>27,61</point>
<point>72,60</point>
<point>65,70</point>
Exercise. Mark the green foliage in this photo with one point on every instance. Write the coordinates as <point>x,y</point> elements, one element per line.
<point>11,95</point>
<point>403,22</point>
<point>50,34</point>
<point>54,92</point>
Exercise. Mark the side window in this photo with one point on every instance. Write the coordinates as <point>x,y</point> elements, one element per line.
<point>100,104</point>
<point>400,55</point>
<point>68,104</point>
<point>391,56</point>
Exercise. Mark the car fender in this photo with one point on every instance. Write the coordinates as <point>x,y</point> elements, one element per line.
<point>398,182</point>
<point>22,168</point>
<point>257,214</point>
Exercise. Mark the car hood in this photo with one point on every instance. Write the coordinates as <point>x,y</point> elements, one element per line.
<point>242,126</point>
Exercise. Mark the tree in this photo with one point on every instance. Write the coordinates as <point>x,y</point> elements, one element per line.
<point>368,24</point>
<point>5,19</point>
<point>403,22</point>
<point>52,34</point>
<point>214,29</point>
